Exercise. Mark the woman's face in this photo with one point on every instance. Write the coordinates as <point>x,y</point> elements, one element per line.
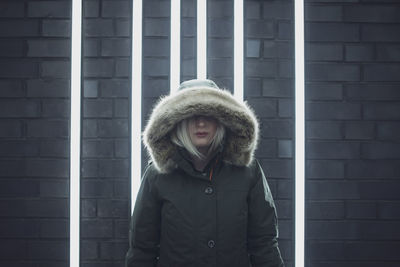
<point>202,130</point>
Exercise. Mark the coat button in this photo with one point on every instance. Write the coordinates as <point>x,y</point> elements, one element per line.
<point>211,243</point>
<point>208,190</point>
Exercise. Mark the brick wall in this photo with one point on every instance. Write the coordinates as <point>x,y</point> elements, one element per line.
<point>353,153</point>
<point>34,130</point>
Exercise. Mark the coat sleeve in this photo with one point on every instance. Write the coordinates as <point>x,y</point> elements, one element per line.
<point>144,232</point>
<point>262,232</point>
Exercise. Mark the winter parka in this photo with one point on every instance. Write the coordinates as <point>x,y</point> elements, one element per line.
<point>222,217</point>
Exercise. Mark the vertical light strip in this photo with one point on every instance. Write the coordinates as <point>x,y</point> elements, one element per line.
<point>136,112</point>
<point>75,139</point>
<point>299,134</point>
<point>201,39</point>
<point>175,54</point>
<point>238,50</point>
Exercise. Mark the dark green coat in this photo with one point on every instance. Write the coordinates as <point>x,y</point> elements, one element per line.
<point>186,219</point>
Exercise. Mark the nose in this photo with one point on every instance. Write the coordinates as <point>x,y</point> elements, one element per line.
<point>201,121</point>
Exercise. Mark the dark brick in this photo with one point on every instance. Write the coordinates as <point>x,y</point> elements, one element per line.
<point>18,109</point>
<point>324,52</point>
<point>157,47</point>
<point>54,188</point>
<point>122,189</point>
<point>286,68</point>
<point>277,168</point>
<point>47,250</point>
<point>11,89</point>
<point>263,107</point>
<point>56,28</point>
<point>56,108</point>
<point>285,31</point>
<point>359,53</point>
<point>252,9</point>
<point>252,87</point>
<point>91,48</point>
<point>155,67</point>
<point>51,208</point>
<point>220,67</point>
<point>277,88</point>
<point>270,150</point>
<point>381,72</point>
<point>54,228</point>
<point>123,67</point>
<point>285,108</point>
<point>113,208</point>
<point>324,130</point>
<point>220,48</point>
<point>49,48</point>
<point>224,28</point>
<point>285,148</point>
<point>380,190</point>
<point>188,47</point>
<point>156,9</point>
<point>332,72</point>
<point>324,230</point>
<point>155,87</point>
<point>325,210</point>
<point>325,169</point>
<point>188,68</point>
<point>115,47</point>
<point>113,250</point>
<point>18,69</point>
<point>121,228</point>
<point>54,148</point>
<point>277,10</point>
<point>49,9</point>
<point>332,150</point>
<point>21,188</point>
<point>90,88</point>
<point>47,128</point>
<point>47,167</point>
<point>115,9</point>
<point>98,28</point>
<point>381,111</point>
<point>115,88</point>
<point>285,208</point>
<point>256,68</point>
<point>122,148</point>
<point>270,48</point>
<point>333,111</point>
<point>96,228</point>
<point>12,48</point>
<point>18,148</point>
<point>123,27</point>
<point>279,129</point>
<point>98,108</point>
<point>12,168</point>
<point>19,28</point>
<point>89,250</point>
<point>91,9</point>
<point>324,91</point>
<point>380,150</point>
<point>388,52</point>
<point>332,32</point>
<point>285,49</point>
<point>98,67</point>
<point>96,189</point>
<point>114,168</point>
<point>389,210</point>
<point>389,131</point>
<point>371,13</point>
<point>380,33</point>
<point>121,108</point>
<point>373,169</point>
<point>220,9</point>
<point>88,208</point>
<point>371,91</point>
<point>97,148</point>
<point>48,88</point>
<point>359,130</point>
<point>10,128</point>
<point>361,210</point>
<point>332,190</point>
<point>156,27</point>
<point>323,13</point>
<point>284,189</point>
<point>55,69</point>
<point>113,128</point>
<point>19,228</point>
<point>9,9</point>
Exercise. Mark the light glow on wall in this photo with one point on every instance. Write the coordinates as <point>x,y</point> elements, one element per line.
<point>136,112</point>
<point>75,139</point>
<point>300,135</point>
<point>238,50</point>
<point>201,39</point>
<point>175,54</point>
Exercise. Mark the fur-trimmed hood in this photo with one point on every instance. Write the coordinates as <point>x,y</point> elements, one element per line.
<point>240,122</point>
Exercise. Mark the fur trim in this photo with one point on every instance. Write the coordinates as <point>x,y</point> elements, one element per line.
<point>238,118</point>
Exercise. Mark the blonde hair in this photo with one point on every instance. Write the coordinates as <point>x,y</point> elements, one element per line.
<point>180,137</point>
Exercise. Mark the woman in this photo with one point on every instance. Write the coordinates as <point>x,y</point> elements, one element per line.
<point>203,200</point>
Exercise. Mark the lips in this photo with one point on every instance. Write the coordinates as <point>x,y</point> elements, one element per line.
<point>201,134</point>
